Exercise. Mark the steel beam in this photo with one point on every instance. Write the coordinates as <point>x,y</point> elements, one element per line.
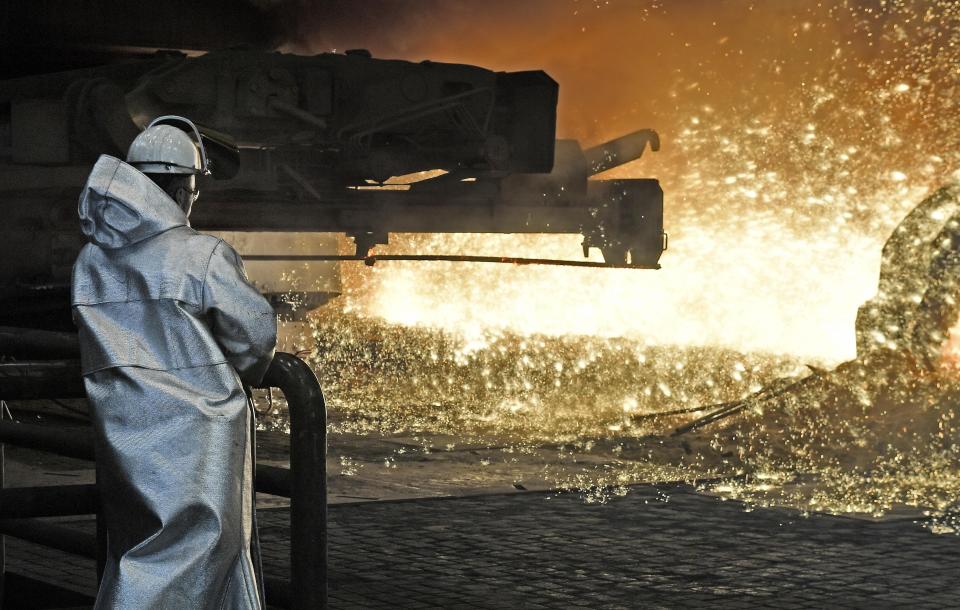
<point>55,536</point>
<point>47,501</point>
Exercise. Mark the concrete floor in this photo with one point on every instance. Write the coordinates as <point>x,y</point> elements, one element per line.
<point>437,522</point>
<point>657,546</point>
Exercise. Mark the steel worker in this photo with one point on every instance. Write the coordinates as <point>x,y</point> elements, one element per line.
<point>170,331</point>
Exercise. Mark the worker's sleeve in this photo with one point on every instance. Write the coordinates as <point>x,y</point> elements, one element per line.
<point>243,323</point>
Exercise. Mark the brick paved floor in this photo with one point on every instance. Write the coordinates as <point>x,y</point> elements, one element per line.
<point>658,546</point>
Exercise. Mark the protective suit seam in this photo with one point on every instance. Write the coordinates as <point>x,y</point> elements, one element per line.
<point>226,588</point>
<point>206,269</point>
<point>113,176</point>
<point>254,601</point>
<point>158,234</point>
<point>95,303</point>
<point>141,241</point>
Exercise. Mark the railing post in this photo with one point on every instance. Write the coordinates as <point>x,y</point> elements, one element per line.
<point>3,541</point>
<point>308,466</point>
<point>101,525</point>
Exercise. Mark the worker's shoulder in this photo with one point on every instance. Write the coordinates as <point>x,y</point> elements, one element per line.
<point>187,241</point>
<point>88,251</point>
<point>169,265</point>
<point>182,241</point>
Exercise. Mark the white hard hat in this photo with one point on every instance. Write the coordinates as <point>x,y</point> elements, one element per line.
<point>162,148</point>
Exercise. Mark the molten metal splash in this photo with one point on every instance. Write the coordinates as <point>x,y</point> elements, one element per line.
<point>950,353</point>
<point>788,157</point>
<point>796,136</point>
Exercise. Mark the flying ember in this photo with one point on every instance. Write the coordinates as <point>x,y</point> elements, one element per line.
<point>796,137</point>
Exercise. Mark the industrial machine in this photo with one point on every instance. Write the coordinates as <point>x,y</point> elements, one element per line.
<point>314,144</point>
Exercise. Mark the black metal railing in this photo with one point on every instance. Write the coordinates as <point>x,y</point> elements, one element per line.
<point>307,488</point>
<point>305,482</point>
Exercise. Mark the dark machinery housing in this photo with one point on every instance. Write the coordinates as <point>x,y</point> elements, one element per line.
<point>311,144</point>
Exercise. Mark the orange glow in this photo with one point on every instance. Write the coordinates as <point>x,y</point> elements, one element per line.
<point>950,351</point>
<point>795,136</point>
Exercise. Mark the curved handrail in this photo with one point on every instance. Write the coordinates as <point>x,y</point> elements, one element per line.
<point>308,473</point>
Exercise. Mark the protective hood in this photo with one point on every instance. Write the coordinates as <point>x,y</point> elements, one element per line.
<point>121,206</point>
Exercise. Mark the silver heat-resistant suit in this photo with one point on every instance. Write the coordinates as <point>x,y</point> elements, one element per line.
<point>170,330</point>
